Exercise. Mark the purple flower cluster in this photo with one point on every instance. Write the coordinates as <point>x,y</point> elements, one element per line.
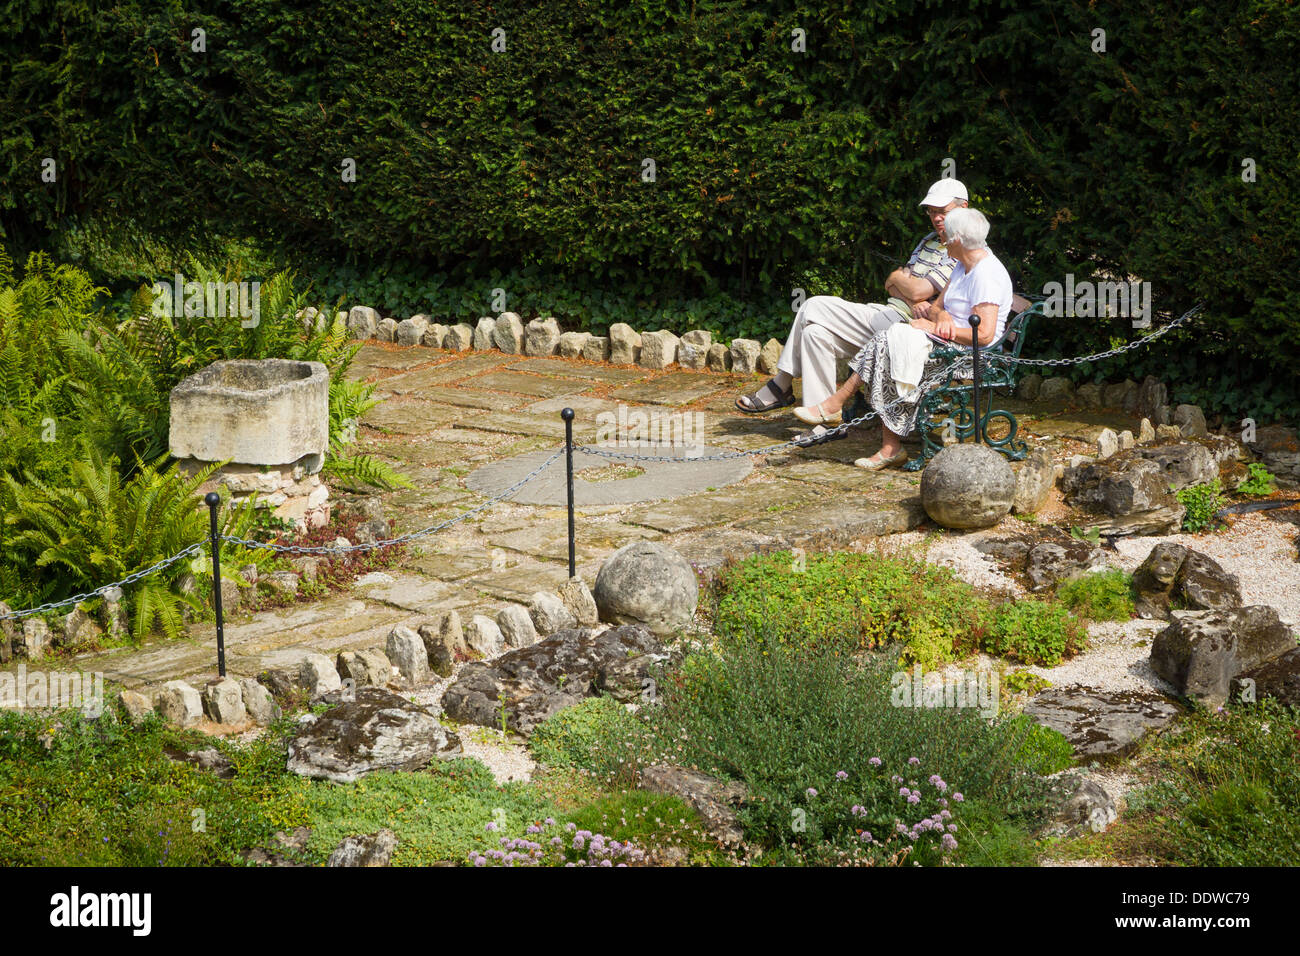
<point>594,849</point>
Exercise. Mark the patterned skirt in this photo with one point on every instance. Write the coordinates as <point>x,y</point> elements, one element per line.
<point>899,414</point>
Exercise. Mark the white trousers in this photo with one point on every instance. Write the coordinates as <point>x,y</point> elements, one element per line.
<point>827,328</point>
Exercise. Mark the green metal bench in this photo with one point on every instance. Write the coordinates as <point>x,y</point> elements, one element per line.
<point>947,411</point>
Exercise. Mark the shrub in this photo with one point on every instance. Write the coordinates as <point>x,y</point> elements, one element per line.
<point>1034,631</point>
<point>591,736</point>
<point>1045,751</point>
<point>1101,596</point>
<point>98,792</point>
<point>1202,503</point>
<point>783,720</point>
<point>1259,481</point>
<point>850,601</point>
<point>1227,790</point>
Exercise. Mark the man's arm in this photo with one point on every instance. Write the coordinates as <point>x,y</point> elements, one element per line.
<point>908,287</point>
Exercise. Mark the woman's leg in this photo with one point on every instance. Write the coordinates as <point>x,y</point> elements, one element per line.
<point>842,396</point>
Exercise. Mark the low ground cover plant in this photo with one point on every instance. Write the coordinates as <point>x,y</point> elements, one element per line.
<point>1100,596</point>
<point>857,602</point>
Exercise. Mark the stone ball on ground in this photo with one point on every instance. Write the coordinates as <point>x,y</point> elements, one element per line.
<point>968,486</point>
<point>647,583</point>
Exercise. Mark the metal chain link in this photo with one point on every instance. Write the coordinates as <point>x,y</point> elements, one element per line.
<point>129,579</point>
<point>1098,356</point>
<point>290,549</point>
<point>401,539</point>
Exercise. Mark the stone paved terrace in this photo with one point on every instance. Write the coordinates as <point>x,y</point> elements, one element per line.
<point>446,415</point>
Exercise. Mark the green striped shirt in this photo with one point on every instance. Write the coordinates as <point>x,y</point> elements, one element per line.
<point>929,261</point>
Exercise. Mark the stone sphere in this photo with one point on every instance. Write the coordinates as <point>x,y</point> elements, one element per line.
<point>647,583</point>
<point>968,486</point>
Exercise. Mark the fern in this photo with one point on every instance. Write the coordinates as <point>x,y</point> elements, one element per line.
<point>360,471</point>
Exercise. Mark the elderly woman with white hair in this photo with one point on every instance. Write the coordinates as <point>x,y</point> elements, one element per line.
<point>896,366</point>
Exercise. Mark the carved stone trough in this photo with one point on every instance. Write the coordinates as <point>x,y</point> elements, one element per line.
<point>270,419</point>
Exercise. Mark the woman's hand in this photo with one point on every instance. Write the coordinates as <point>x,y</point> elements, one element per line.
<point>921,310</point>
<point>944,326</point>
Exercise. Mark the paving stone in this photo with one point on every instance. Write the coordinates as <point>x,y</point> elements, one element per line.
<point>836,474</point>
<point>417,593</point>
<point>592,540</point>
<point>664,479</point>
<point>675,388</point>
<point>575,369</point>
<point>584,406</point>
<point>837,523</point>
<point>371,359</point>
<point>542,386</point>
<point>519,584</point>
<point>409,417</point>
<point>720,507</point>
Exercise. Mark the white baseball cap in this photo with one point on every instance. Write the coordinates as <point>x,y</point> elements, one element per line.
<point>943,192</point>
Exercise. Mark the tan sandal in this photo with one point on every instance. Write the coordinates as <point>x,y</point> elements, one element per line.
<point>876,463</point>
<point>815,416</point>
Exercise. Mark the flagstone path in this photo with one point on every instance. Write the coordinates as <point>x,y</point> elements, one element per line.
<point>462,425</point>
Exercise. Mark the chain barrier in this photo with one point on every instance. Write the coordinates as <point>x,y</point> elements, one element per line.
<point>129,579</point>
<point>401,539</point>
<point>289,549</point>
<point>587,450</point>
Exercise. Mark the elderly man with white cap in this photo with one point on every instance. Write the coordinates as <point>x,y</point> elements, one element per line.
<point>828,327</point>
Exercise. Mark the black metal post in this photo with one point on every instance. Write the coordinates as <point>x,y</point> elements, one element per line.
<point>567,415</point>
<point>975,355</point>
<point>213,501</point>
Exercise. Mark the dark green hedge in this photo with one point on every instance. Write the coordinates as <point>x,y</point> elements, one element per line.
<point>769,163</point>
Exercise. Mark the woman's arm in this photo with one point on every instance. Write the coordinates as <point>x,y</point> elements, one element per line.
<point>988,313</point>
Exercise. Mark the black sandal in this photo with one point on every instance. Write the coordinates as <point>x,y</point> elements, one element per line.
<point>757,404</point>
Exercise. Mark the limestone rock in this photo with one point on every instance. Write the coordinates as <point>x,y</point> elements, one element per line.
<point>624,344</point>
<point>1029,387</point>
<point>484,333</point>
<point>370,667</point>
<point>223,700</point>
<point>1107,443</point>
<point>658,349</point>
<point>1172,575</point>
<point>136,705</point>
<point>1035,478</point>
<point>692,356</point>
<point>180,704</point>
<point>1056,388</point>
<point>719,358</point>
<point>549,613</point>
<point>443,640</point>
<point>1202,651</point>
<point>483,635</point>
<point>435,335</point>
<point>968,486</point>
<point>744,356</point>
<point>1089,395</point>
<point>1126,440</point>
<point>258,702</point>
<point>1146,433</point>
<point>1101,725</point>
<point>1168,432</point>
<point>363,322</point>
<point>544,678</point>
<point>1190,421</point>
<point>542,337</point>
<point>577,597</point>
<point>1118,395</point>
<point>377,730</point>
<point>33,639</point>
<point>516,626</point>
<point>316,675</point>
<point>373,849</point>
<point>459,338</point>
<point>508,333</point>
<point>1278,678</point>
<point>647,583</point>
<point>411,331</point>
<point>712,799</point>
<point>698,338</point>
<point>1079,805</point>
<point>387,330</point>
<point>573,344</point>
<point>596,348</point>
<point>1049,562</point>
<point>1131,491</point>
<point>405,649</point>
<point>769,356</point>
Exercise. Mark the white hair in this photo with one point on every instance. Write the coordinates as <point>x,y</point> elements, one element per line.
<point>967,225</point>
